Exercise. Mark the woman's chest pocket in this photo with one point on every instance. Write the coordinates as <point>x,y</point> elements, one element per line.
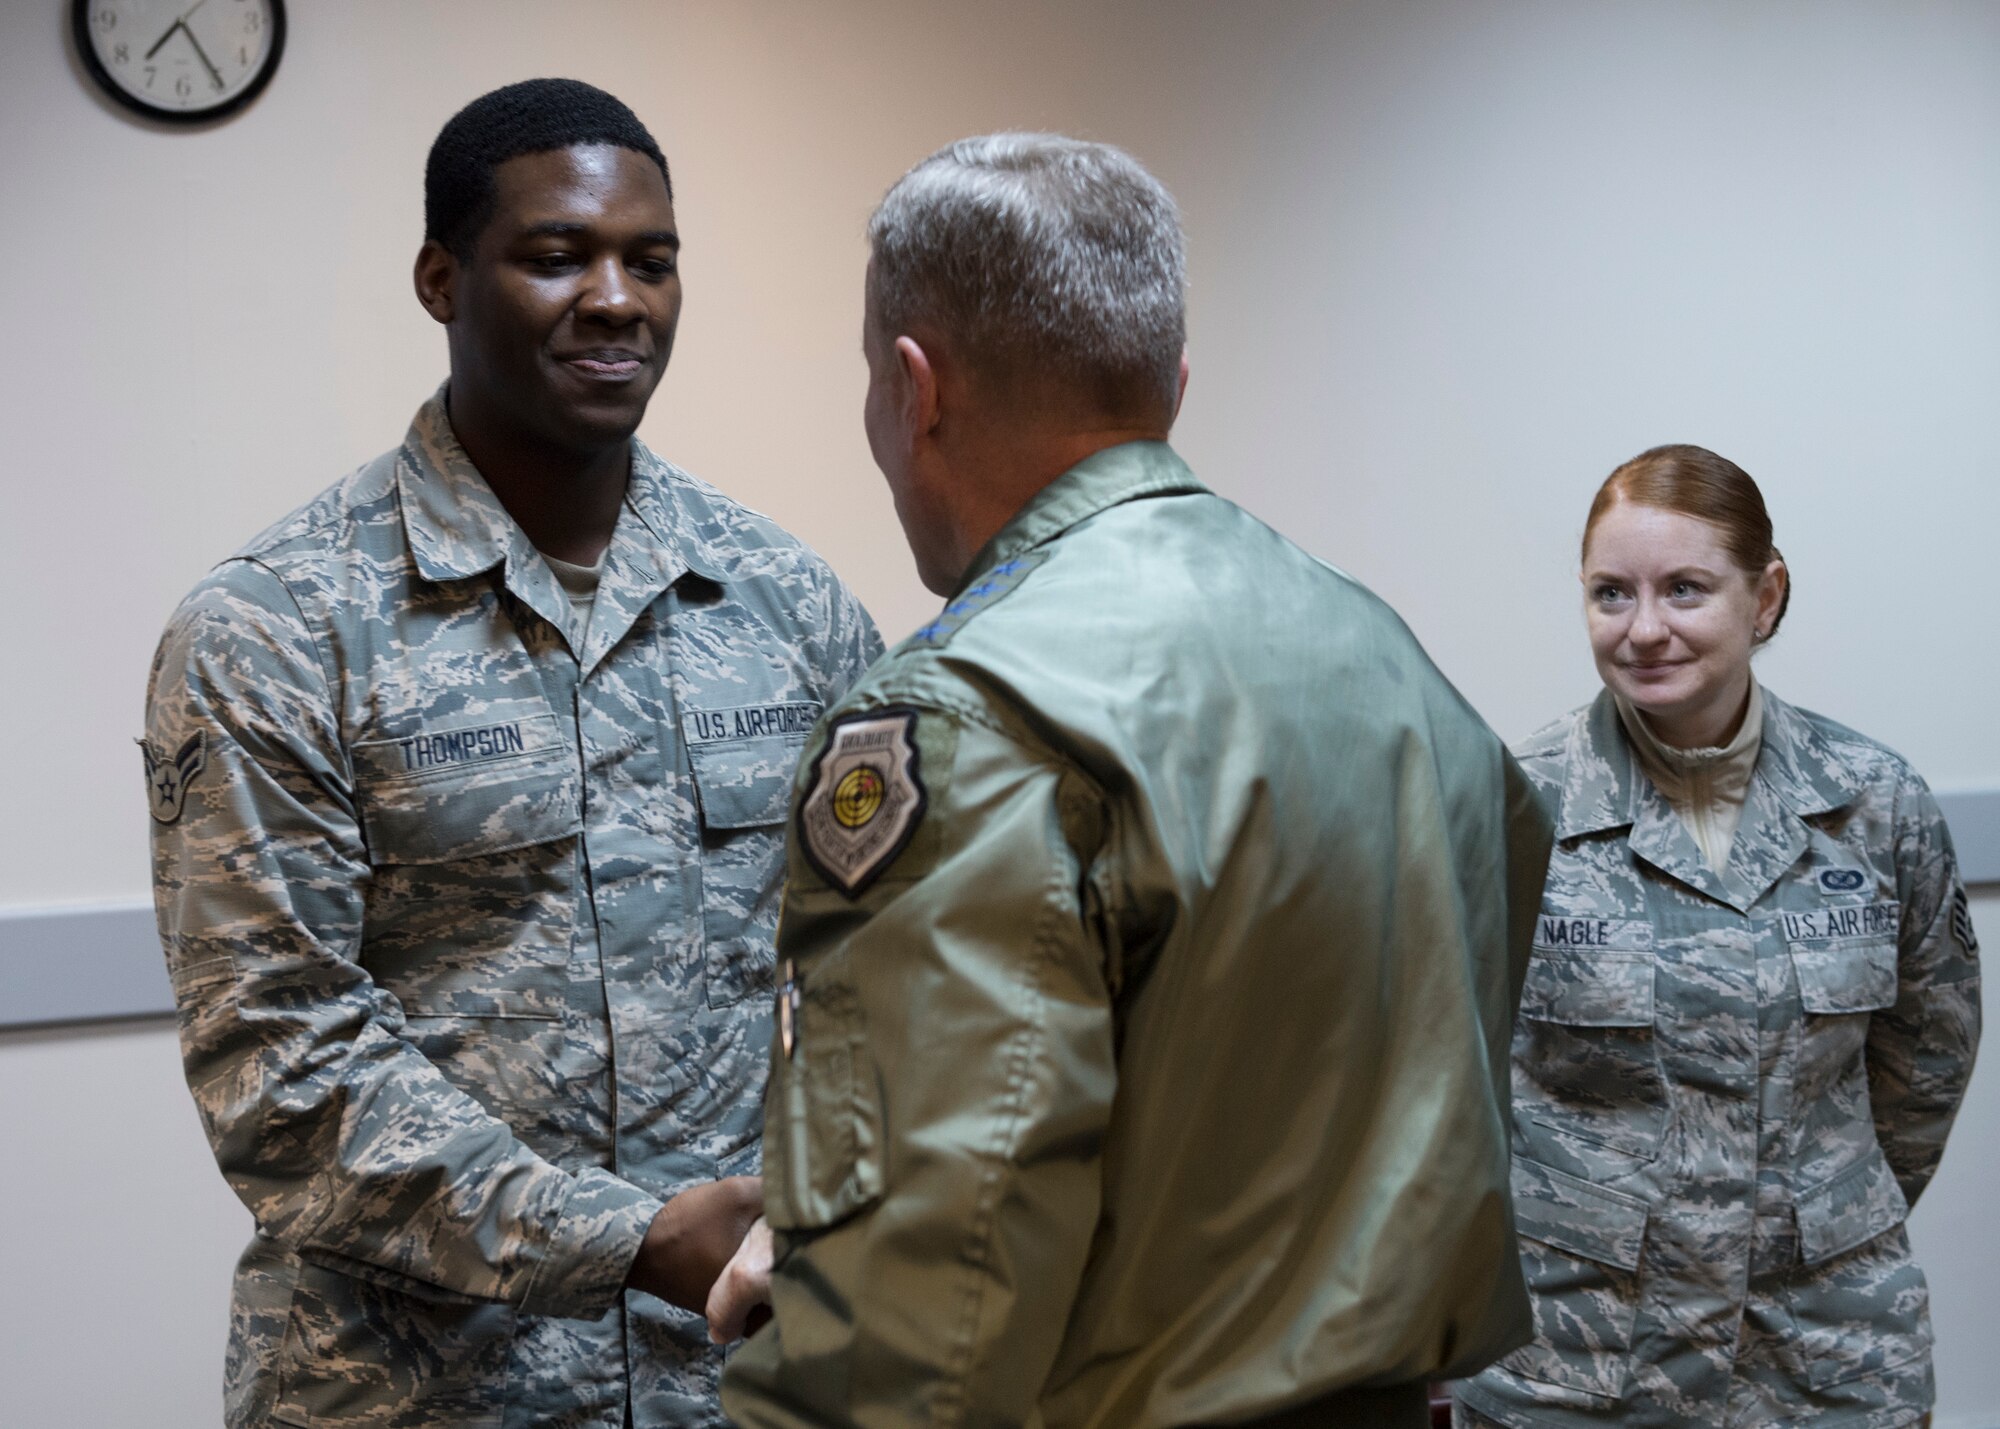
<point>1586,1059</point>
<point>743,788</point>
<point>1845,960</point>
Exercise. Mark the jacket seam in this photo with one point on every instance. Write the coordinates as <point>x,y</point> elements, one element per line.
<point>979,1244</point>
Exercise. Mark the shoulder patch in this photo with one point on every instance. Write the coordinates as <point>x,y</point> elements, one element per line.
<point>167,780</point>
<point>864,798</point>
<point>976,597</point>
<point>1961,923</point>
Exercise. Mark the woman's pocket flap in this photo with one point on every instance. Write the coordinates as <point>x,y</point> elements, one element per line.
<point>1851,1209</point>
<point>1599,989</point>
<point>1574,1215</point>
<point>745,784</point>
<point>1845,975</point>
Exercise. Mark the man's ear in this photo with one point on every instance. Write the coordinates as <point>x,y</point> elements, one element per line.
<point>923,406</point>
<point>436,279</point>
<point>1180,392</point>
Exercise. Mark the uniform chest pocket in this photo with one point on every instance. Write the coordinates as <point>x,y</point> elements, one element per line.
<point>472,832</point>
<point>450,794</point>
<point>1845,958</point>
<point>743,790</point>
<point>1587,1062</point>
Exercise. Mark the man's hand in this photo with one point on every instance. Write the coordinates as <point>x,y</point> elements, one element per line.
<point>743,1288</point>
<point>693,1237</point>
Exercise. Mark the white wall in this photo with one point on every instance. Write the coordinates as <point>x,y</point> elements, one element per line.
<point>1452,262</point>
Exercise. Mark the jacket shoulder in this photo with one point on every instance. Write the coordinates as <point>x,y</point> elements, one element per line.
<point>739,536</point>
<point>1544,755</point>
<point>323,526</point>
<point>1879,772</point>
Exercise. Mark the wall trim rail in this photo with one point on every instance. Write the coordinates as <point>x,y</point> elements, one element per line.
<point>97,962</point>
<point>90,962</point>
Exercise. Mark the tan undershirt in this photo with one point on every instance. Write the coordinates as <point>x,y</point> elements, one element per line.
<point>580,584</point>
<point>1705,786</point>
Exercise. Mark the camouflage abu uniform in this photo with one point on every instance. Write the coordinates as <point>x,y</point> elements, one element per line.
<point>468,914</point>
<point>1729,1089</point>
<point>1154,922</point>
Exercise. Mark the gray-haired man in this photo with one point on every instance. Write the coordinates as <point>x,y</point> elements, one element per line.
<point>1154,916</point>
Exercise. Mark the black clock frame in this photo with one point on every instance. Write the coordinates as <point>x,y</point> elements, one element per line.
<point>79,13</point>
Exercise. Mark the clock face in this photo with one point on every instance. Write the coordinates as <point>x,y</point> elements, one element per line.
<point>176,60</point>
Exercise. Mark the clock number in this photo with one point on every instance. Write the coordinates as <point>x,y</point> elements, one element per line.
<point>151,71</point>
<point>243,54</point>
<point>121,53</point>
<point>106,20</point>
<point>252,22</point>
<point>183,87</point>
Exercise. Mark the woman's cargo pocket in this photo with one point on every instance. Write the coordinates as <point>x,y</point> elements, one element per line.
<point>1858,1302</point>
<point>1580,1252</point>
<point>823,1112</point>
<point>1586,1045</point>
<point>744,790</point>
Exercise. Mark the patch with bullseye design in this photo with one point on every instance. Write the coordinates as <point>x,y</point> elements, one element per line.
<point>864,799</point>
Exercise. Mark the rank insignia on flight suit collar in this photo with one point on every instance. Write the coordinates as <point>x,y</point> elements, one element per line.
<point>865,798</point>
<point>167,780</point>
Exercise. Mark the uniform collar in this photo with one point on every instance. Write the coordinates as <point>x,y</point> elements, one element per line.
<point>457,527</point>
<point>1097,483</point>
<point>1604,787</point>
<point>1796,776</point>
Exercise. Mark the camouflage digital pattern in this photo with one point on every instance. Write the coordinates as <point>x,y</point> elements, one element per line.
<point>469,916</point>
<point>1730,1088</point>
<point>1154,922</point>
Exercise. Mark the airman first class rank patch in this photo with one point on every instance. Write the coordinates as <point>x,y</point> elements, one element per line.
<point>167,779</point>
<point>865,799</point>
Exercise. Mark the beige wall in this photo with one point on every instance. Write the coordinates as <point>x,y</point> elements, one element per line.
<point>1451,262</point>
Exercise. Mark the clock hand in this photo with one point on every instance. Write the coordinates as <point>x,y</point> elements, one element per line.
<point>180,24</point>
<point>164,37</point>
<point>213,73</point>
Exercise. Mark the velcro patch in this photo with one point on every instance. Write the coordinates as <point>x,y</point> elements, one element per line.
<point>1961,923</point>
<point>1841,880</point>
<point>167,780</point>
<point>1555,933</point>
<point>793,719</point>
<point>864,799</point>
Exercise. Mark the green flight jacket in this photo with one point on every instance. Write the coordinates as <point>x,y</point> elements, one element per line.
<point>1154,924</point>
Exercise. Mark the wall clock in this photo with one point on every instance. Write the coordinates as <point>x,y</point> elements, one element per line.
<point>170,59</point>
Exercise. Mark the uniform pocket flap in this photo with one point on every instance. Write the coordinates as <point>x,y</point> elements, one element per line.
<point>460,793</point>
<point>1851,1209</point>
<point>1846,976</point>
<point>745,784</point>
<point>1599,989</point>
<point>1573,1215</point>
<point>822,1116</point>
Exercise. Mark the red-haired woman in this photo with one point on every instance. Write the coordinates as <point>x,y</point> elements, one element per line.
<point>1748,1020</point>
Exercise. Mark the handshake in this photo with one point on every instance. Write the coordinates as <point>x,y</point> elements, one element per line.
<point>709,1251</point>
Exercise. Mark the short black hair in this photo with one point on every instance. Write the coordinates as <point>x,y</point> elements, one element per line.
<point>530,117</point>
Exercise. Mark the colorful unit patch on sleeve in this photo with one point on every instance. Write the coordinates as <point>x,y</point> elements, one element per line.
<point>865,800</point>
